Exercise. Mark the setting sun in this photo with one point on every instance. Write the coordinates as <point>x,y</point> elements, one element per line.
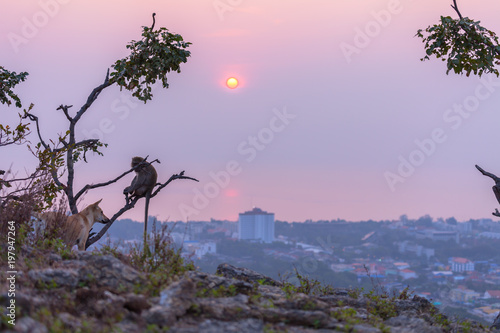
<point>232,83</point>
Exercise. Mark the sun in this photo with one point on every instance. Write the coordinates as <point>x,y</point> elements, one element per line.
<point>232,83</point>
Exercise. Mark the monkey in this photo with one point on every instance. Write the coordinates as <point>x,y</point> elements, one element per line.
<point>144,180</point>
<point>142,185</point>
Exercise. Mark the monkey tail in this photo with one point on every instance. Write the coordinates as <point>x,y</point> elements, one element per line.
<point>146,211</point>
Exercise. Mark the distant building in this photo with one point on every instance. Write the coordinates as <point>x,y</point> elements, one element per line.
<point>419,250</point>
<point>199,249</point>
<point>256,225</point>
<point>438,235</point>
<point>492,294</point>
<point>463,295</point>
<point>459,265</point>
<point>408,274</point>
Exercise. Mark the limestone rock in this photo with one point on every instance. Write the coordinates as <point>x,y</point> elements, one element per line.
<point>245,274</point>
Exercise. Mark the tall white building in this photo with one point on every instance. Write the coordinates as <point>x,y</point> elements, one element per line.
<point>256,225</point>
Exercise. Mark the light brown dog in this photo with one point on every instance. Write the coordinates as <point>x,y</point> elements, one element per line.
<point>77,227</point>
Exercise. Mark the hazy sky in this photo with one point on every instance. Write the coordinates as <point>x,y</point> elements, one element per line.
<point>335,115</point>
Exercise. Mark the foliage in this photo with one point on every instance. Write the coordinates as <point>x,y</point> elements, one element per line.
<point>306,285</point>
<point>8,80</point>
<point>150,59</point>
<point>464,44</point>
<point>161,261</point>
<point>220,291</point>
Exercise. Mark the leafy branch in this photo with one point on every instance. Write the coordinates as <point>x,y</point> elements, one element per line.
<point>465,45</point>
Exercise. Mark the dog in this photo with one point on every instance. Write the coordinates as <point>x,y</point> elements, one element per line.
<point>77,227</point>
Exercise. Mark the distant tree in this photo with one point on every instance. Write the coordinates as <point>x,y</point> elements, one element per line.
<point>451,221</point>
<point>424,221</point>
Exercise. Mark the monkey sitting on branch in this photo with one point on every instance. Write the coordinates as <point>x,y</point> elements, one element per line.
<point>142,185</point>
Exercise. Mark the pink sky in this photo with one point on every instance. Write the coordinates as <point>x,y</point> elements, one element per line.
<point>350,119</point>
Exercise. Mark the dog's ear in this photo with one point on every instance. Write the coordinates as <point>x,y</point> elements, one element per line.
<point>97,202</point>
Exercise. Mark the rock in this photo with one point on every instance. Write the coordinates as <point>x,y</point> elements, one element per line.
<point>271,292</point>
<point>96,290</point>
<point>70,321</point>
<point>127,326</point>
<point>54,257</point>
<point>29,325</point>
<point>109,272</point>
<point>246,325</point>
<point>174,302</point>
<point>405,324</point>
<point>136,303</point>
<point>363,328</point>
<point>496,323</point>
<point>317,319</point>
<point>224,307</point>
<point>54,277</point>
<point>27,303</point>
<point>245,274</point>
<point>209,282</point>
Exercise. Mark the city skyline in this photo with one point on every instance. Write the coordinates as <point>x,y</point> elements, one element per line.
<point>334,117</point>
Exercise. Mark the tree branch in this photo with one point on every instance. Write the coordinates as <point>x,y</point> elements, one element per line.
<point>172,178</point>
<point>34,118</point>
<point>92,97</point>
<point>129,205</point>
<point>455,7</point>
<point>153,25</point>
<point>90,187</point>
<point>488,174</point>
<point>88,142</point>
<point>53,170</point>
<point>65,110</point>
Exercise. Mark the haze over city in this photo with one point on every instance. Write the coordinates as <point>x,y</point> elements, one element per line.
<point>335,116</point>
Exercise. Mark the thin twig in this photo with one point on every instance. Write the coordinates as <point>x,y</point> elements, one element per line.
<point>65,110</point>
<point>455,7</point>
<point>152,26</point>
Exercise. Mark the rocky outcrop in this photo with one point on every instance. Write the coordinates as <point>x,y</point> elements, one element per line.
<point>101,292</point>
<point>245,274</point>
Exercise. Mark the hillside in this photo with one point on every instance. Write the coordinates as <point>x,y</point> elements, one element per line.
<point>102,292</point>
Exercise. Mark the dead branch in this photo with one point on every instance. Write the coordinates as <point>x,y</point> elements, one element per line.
<point>488,174</point>
<point>130,204</point>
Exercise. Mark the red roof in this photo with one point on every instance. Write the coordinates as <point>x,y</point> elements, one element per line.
<point>494,293</point>
<point>461,260</point>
